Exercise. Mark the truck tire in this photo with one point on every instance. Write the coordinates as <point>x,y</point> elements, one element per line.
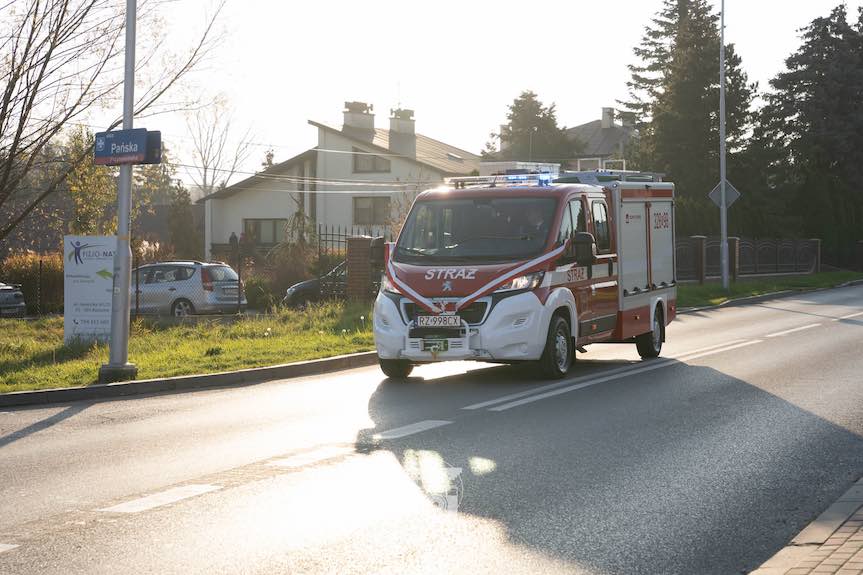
<point>396,368</point>
<point>650,344</point>
<point>557,356</point>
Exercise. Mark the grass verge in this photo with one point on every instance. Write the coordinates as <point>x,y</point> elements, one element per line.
<point>694,295</point>
<point>32,354</point>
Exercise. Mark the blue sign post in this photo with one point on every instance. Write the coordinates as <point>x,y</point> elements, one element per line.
<point>135,146</point>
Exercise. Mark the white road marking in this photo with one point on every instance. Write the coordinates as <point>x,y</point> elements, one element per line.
<point>315,456</point>
<point>579,379</point>
<point>159,499</point>
<point>796,329</point>
<point>656,364</point>
<point>7,547</point>
<point>849,316</point>
<point>410,429</point>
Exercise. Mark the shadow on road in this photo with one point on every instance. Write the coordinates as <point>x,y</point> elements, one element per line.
<point>61,415</point>
<point>683,469</point>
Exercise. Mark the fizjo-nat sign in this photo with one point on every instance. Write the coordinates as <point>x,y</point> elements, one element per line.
<point>136,146</point>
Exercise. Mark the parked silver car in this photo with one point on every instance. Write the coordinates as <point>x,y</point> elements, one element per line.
<point>12,301</point>
<point>183,288</point>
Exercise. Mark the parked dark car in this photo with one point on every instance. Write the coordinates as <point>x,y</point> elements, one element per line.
<point>331,286</point>
<point>12,301</point>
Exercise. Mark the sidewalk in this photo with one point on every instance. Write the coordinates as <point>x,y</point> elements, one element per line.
<point>832,544</point>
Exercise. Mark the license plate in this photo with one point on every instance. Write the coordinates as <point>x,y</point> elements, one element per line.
<point>438,321</point>
<point>435,345</point>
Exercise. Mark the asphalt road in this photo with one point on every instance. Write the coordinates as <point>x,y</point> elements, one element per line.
<point>707,460</point>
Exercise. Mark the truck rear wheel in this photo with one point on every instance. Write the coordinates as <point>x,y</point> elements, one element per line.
<point>396,368</point>
<point>557,355</point>
<point>650,344</point>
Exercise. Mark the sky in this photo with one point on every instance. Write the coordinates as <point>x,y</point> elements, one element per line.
<point>458,64</point>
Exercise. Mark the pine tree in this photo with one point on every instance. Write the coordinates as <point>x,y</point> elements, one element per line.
<point>813,124</point>
<point>674,91</point>
<point>532,133</point>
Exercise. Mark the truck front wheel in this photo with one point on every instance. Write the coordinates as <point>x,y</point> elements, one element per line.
<point>396,368</point>
<point>650,344</point>
<point>557,355</point>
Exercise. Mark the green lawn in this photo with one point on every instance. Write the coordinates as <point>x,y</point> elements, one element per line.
<point>32,354</point>
<point>694,295</point>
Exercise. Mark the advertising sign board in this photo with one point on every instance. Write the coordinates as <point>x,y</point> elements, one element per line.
<point>88,282</point>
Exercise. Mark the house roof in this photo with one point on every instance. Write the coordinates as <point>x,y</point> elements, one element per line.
<point>434,154</point>
<point>275,169</point>
<point>599,141</point>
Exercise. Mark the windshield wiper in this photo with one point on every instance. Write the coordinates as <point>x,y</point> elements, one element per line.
<point>414,251</point>
<point>472,238</point>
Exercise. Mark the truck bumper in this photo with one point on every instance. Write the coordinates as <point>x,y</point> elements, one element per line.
<point>514,329</point>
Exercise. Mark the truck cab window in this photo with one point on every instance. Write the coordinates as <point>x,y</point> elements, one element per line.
<point>577,215</point>
<point>565,226</point>
<point>600,227</point>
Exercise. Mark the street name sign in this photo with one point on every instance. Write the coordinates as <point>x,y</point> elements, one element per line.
<point>136,146</point>
<point>731,194</point>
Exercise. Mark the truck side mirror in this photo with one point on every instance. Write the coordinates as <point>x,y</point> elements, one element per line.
<point>377,252</point>
<point>582,246</point>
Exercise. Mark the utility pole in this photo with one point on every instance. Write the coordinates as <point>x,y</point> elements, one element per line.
<point>723,205</point>
<point>118,367</point>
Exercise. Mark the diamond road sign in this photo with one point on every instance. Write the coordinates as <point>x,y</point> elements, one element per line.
<point>731,194</point>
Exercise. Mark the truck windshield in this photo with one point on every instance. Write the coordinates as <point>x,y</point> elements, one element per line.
<point>488,229</point>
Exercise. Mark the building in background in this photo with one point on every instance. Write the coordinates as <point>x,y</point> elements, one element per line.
<point>358,176</point>
<point>604,141</point>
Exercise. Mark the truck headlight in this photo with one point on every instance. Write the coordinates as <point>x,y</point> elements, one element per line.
<point>525,282</point>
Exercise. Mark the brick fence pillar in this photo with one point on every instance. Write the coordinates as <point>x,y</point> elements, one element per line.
<point>359,268</point>
<point>699,245</point>
<point>733,258</point>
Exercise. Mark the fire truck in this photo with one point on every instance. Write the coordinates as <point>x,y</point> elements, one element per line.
<point>519,268</point>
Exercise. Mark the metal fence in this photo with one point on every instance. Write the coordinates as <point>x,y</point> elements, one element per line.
<point>332,255</point>
<point>699,257</point>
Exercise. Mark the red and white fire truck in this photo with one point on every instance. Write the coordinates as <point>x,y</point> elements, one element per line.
<point>517,268</point>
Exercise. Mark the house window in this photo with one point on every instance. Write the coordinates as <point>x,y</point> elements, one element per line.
<point>371,211</point>
<point>367,163</point>
<point>265,232</point>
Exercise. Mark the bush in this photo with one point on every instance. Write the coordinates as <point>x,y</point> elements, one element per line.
<point>24,269</point>
<point>259,293</point>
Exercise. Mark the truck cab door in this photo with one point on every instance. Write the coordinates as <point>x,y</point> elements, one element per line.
<point>602,316</point>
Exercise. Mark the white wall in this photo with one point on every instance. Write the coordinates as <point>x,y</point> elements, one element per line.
<point>335,203</point>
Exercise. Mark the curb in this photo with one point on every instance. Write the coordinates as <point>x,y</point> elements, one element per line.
<point>815,534</point>
<point>765,297</point>
<point>188,382</point>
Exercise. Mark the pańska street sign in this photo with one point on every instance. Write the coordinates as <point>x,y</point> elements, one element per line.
<point>136,146</point>
<point>731,194</point>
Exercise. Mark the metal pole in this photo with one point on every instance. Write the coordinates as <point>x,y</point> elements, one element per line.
<point>723,209</point>
<point>118,367</point>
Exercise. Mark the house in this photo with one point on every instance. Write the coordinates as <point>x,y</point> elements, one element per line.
<point>358,177</point>
<point>604,141</point>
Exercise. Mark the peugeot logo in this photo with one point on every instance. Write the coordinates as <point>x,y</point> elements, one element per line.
<point>447,286</point>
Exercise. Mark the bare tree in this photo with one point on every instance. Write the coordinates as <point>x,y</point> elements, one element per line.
<point>216,157</point>
<point>60,60</point>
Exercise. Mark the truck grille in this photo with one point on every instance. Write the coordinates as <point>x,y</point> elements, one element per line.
<point>472,314</point>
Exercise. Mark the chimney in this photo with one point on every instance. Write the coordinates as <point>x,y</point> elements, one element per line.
<point>359,116</point>
<point>504,143</point>
<point>627,119</point>
<point>607,118</point>
<point>403,138</point>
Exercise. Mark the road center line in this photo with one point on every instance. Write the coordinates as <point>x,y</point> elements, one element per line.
<point>796,329</point>
<point>579,379</point>
<point>642,369</point>
<point>849,316</point>
<point>410,429</point>
<point>7,547</point>
<point>316,456</point>
<point>159,499</point>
